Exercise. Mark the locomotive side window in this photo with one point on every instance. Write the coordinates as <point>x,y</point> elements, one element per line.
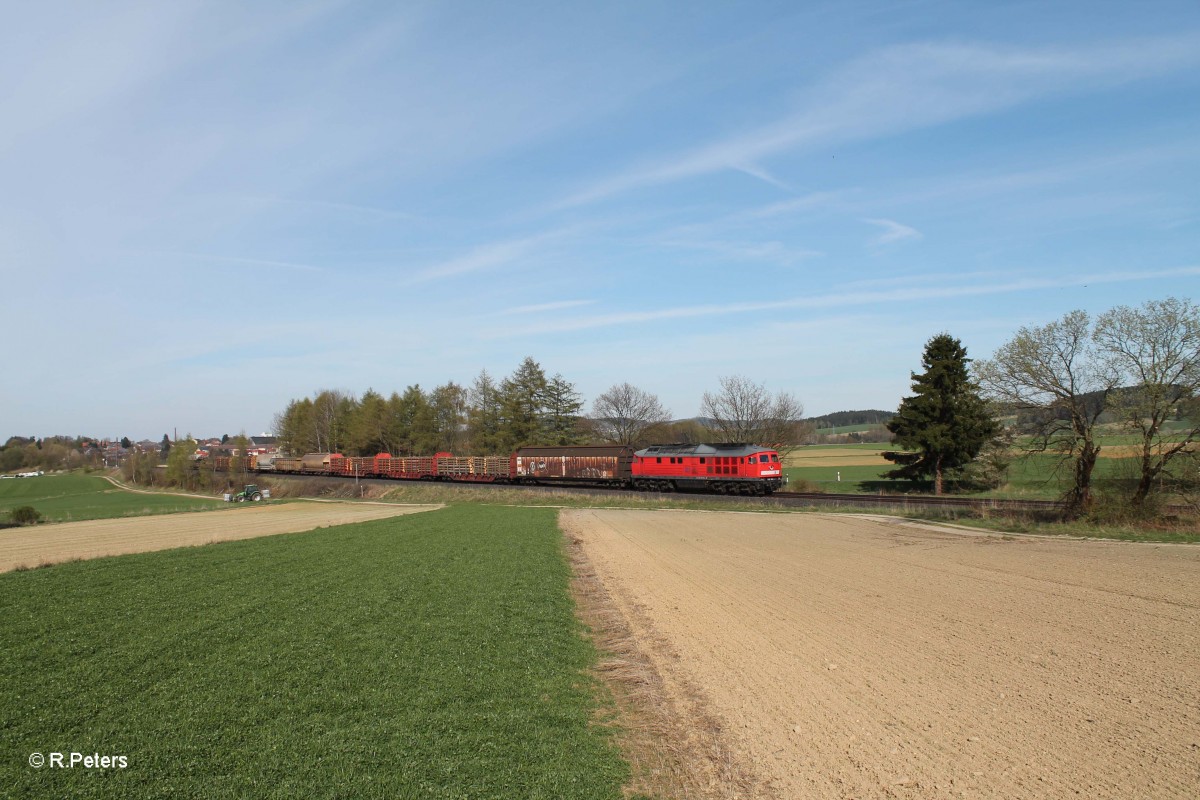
<point>658,460</point>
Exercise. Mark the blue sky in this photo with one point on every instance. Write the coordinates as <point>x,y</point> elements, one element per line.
<point>207,209</point>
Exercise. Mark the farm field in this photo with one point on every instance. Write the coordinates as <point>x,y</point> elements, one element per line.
<point>830,657</point>
<point>75,496</point>
<point>430,655</point>
<point>861,468</point>
<point>53,544</point>
<point>838,455</point>
<point>847,468</point>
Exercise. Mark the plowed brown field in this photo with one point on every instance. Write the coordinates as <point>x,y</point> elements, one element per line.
<point>52,544</point>
<point>840,657</point>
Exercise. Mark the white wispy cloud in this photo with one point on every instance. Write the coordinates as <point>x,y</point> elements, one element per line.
<point>253,262</point>
<point>755,171</point>
<point>1058,170</point>
<point>485,257</point>
<point>123,48</point>
<point>539,308</point>
<point>774,252</point>
<point>348,208</point>
<point>708,229</point>
<point>807,202</point>
<point>893,231</point>
<point>924,279</point>
<point>913,86</point>
<point>841,299</point>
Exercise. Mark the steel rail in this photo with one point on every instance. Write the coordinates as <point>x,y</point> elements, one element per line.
<point>788,499</point>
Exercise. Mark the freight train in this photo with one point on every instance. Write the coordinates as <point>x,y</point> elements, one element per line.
<point>744,469</point>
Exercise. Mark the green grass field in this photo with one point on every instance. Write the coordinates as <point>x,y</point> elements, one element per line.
<point>1033,476</point>
<point>76,496</point>
<point>434,656</point>
<point>854,479</point>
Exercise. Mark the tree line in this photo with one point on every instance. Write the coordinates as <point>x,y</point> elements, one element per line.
<point>527,408</point>
<point>840,419</point>
<point>49,453</point>
<point>1135,369</point>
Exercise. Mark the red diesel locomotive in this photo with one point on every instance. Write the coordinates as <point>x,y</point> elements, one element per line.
<point>717,468</point>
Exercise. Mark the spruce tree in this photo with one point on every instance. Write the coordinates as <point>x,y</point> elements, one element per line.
<point>945,423</point>
<point>523,406</point>
<point>563,405</point>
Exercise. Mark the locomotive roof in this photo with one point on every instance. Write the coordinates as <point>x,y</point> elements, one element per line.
<point>732,449</point>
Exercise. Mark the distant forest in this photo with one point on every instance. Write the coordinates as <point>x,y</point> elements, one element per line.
<point>840,418</point>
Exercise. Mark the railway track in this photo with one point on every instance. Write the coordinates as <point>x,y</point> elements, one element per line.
<point>924,501</point>
<point>787,499</point>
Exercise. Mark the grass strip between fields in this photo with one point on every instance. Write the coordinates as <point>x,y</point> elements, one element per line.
<point>436,655</point>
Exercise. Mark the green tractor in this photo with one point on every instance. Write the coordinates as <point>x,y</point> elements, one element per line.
<point>251,492</point>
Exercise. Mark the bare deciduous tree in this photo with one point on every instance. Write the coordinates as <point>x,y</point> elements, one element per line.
<point>625,414</point>
<point>1156,349</point>
<point>1059,382</point>
<point>450,415</point>
<point>743,411</point>
<point>294,427</point>
<point>484,416</point>
<point>331,409</point>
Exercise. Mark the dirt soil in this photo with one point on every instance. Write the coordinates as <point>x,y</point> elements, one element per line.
<point>51,544</point>
<point>837,657</point>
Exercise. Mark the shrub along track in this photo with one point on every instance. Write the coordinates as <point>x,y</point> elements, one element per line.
<point>69,541</point>
<point>834,656</point>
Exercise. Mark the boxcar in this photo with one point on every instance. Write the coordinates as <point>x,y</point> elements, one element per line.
<point>596,464</point>
<point>287,464</point>
<point>321,463</point>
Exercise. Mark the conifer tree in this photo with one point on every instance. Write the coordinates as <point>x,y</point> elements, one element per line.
<point>563,405</point>
<point>945,423</point>
<point>523,405</point>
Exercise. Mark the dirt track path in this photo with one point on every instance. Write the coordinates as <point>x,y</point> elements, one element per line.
<point>52,544</point>
<point>847,657</point>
